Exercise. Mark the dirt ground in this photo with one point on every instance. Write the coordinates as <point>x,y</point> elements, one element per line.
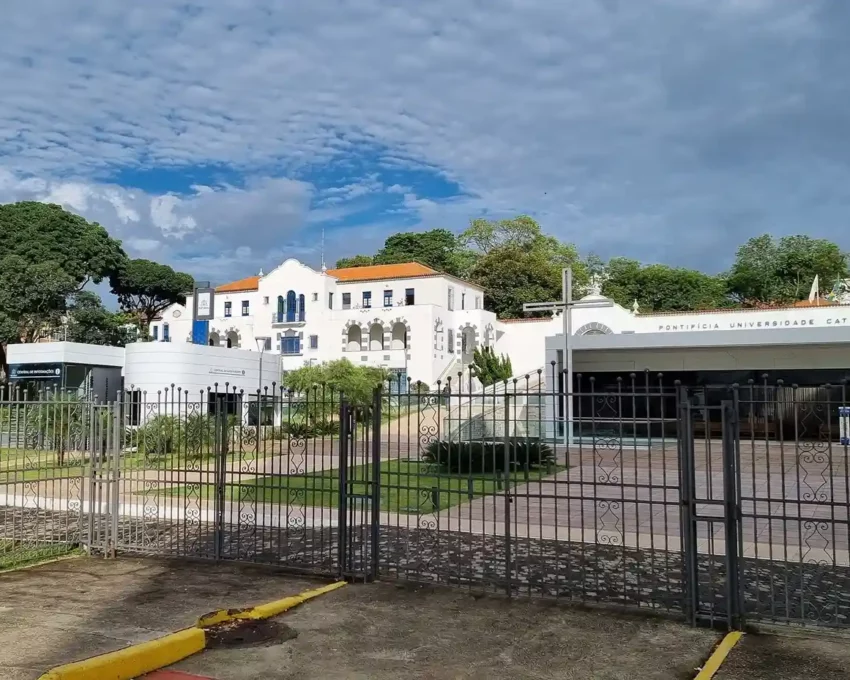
<point>69,610</point>
<point>788,656</point>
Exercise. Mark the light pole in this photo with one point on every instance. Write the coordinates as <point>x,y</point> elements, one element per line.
<point>261,346</point>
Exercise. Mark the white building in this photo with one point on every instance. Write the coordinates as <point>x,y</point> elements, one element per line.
<point>423,324</point>
<point>407,318</point>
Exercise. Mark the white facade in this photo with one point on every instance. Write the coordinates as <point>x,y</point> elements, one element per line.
<point>419,322</point>
<point>413,320</point>
<point>193,370</point>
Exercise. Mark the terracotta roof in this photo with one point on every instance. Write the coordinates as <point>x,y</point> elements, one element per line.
<point>251,283</point>
<point>380,272</point>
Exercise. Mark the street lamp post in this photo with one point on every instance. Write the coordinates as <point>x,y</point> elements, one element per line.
<point>261,346</point>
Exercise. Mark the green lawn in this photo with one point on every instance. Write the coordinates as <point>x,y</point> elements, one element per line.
<point>408,487</point>
<point>27,465</point>
<point>13,555</point>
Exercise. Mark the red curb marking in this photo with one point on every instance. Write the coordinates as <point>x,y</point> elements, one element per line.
<point>174,675</point>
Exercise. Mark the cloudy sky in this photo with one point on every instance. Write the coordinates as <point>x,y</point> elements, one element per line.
<point>224,136</point>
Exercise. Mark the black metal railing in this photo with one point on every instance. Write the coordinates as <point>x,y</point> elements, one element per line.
<point>723,504</point>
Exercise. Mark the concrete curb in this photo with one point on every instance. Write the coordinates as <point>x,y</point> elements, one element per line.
<point>136,660</point>
<point>718,656</point>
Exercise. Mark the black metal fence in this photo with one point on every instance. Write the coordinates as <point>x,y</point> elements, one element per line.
<point>725,504</point>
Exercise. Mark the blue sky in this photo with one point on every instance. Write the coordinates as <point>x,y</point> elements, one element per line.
<point>223,136</point>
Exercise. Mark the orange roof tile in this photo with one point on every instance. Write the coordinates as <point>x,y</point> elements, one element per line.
<point>379,272</point>
<point>251,283</point>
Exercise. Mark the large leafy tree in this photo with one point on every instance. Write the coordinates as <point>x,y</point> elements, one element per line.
<point>516,263</point>
<point>32,301</point>
<point>439,249</point>
<point>90,322</point>
<point>46,254</point>
<point>767,271</point>
<point>42,232</point>
<point>145,288</point>
<point>355,261</point>
<point>660,288</point>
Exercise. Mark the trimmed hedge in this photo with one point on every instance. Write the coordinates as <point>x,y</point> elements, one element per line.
<point>488,456</point>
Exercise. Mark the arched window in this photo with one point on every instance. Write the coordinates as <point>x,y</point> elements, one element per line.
<point>232,339</point>
<point>301,307</point>
<point>376,337</point>
<point>214,340</point>
<point>354,337</point>
<point>467,341</point>
<point>281,308</point>
<point>399,336</point>
<point>451,341</point>
<point>291,303</point>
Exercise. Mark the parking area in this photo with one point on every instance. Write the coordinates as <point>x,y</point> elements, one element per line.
<point>64,611</point>
<point>787,655</point>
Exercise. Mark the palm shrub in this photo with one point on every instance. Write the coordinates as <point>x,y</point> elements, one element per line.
<point>482,457</point>
<point>488,367</point>
<point>58,422</point>
<point>160,435</point>
<point>198,435</point>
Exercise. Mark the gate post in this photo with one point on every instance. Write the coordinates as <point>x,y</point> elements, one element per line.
<point>690,575</point>
<point>377,399</point>
<point>732,514</point>
<point>507,492</point>
<point>220,472</point>
<point>342,499</point>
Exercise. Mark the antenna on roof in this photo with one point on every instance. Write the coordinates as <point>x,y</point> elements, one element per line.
<point>324,268</point>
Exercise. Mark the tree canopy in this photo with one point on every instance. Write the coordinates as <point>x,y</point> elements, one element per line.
<point>90,322</point>
<point>659,288</point>
<point>42,232</point>
<point>47,257</point>
<point>517,263</point>
<point>767,271</point>
<point>145,288</point>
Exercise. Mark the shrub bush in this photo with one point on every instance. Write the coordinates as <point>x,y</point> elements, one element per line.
<point>159,435</point>
<point>198,435</point>
<point>488,456</point>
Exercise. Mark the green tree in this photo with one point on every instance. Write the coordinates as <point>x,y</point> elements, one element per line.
<point>767,271</point>
<point>90,322</point>
<point>41,233</point>
<point>46,253</point>
<point>660,288</point>
<point>490,368</point>
<point>323,384</point>
<point>355,261</point>
<point>32,301</point>
<point>145,288</point>
<point>439,249</point>
<point>517,263</point>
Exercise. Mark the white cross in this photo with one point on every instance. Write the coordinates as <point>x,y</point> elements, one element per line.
<point>566,305</point>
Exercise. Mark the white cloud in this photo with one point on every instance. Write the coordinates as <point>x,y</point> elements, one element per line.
<point>675,125</point>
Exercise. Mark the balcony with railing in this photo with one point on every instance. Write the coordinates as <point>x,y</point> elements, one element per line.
<point>284,319</point>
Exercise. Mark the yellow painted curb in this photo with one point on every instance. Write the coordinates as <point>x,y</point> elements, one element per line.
<point>264,611</point>
<point>718,656</point>
<point>267,610</point>
<point>129,663</point>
